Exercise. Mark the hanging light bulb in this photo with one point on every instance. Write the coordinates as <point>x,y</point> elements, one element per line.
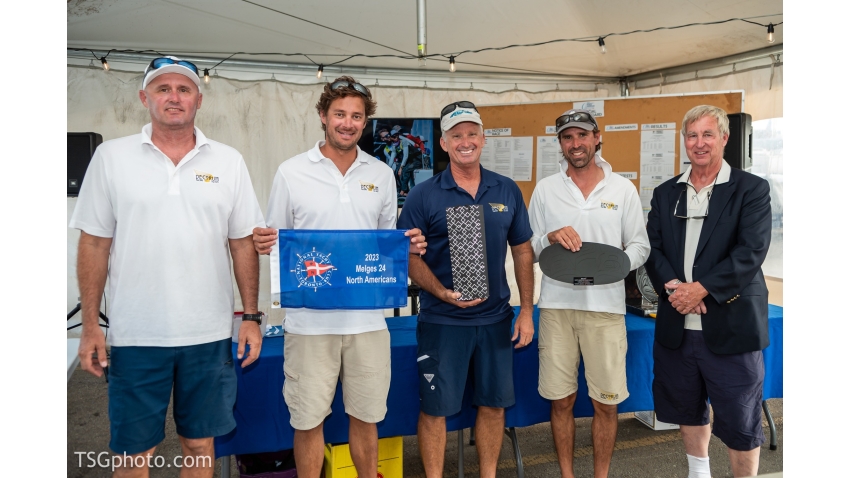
<point>207,76</point>
<point>319,72</point>
<point>602,45</point>
<point>770,38</point>
<point>104,63</point>
<point>452,67</point>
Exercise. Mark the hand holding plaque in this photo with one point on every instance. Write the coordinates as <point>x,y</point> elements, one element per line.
<point>593,264</point>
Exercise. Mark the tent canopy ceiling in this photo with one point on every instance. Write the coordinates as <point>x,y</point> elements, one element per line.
<point>216,28</point>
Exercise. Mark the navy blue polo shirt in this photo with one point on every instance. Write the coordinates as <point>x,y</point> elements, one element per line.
<point>425,208</point>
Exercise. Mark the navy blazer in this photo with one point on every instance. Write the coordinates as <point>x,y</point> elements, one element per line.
<point>732,246</point>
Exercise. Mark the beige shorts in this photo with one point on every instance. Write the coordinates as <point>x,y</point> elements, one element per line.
<point>599,337</point>
<point>312,365</point>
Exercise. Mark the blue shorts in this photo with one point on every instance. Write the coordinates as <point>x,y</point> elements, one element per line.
<point>140,387</point>
<point>687,376</point>
<point>448,353</point>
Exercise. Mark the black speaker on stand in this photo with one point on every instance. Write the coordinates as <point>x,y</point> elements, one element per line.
<point>81,148</point>
<point>739,149</point>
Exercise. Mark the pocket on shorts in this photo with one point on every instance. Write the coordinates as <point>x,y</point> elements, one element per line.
<point>428,365</point>
<point>290,385</point>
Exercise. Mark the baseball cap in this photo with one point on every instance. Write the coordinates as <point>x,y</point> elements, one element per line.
<point>575,119</point>
<point>459,112</point>
<point>170,64</point>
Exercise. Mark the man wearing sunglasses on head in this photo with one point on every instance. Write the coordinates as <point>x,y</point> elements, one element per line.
<point>454,334</point>
<point>709,230</point>
<point>585,201</point>
<point>158,212</point>
<point>335,185</point>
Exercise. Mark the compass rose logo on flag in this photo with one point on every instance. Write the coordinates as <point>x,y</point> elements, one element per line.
<point>313,269</point>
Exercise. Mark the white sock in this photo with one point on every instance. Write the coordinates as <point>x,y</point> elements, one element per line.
<point>698,467</point>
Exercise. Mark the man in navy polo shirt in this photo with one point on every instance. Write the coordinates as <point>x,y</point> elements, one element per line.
<point>460,337</point>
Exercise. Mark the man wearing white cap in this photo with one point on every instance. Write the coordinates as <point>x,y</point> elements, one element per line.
<point>158,212</point>
<point>585,201</point>
<point>454,336</point>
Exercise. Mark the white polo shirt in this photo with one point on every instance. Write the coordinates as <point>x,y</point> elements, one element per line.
<point>611,215</point>
<point>309,192</point>
<point>169,266</point>
<point>697,203</point>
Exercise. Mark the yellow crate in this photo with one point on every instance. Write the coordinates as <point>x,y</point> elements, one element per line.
<point>338,463</point>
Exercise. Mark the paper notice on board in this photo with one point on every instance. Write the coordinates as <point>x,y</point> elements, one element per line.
<point>657,159</point>
<point>658,141</point>
<point>596,108</point>
<point>548,156</point>
<point>508,156</point>
<point>521,157</point>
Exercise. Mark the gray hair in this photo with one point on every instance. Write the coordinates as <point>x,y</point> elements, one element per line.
<point>698,112</point>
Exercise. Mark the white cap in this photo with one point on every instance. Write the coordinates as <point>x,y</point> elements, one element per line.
<point>150,74</point>
<point>459,115</point>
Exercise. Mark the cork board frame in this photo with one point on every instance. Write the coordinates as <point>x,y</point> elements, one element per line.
<point>620,148</point>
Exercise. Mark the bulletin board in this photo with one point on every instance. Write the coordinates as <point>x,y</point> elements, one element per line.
<point>622,147</point>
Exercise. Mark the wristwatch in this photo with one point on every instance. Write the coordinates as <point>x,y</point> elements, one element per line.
<point>258,318</point>
<point>671,291</point>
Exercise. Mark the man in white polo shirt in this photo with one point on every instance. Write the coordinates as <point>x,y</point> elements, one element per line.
<point>158,212</point>
<point>585,201</point>
<point>335,185</point>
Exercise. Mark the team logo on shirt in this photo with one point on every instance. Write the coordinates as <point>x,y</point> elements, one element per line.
<point>364,186</point>
<point>498,207</point>
<point>313,269</point>
<point>205,177</point>
<point>609,205</point>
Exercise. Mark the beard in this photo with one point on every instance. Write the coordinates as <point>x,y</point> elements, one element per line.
<point>579,163</point>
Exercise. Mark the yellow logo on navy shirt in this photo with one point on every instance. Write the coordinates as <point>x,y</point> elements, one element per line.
<point>364,186</point>
<point>609,205</point>
<point>498,207</point>
<point>205,177</point>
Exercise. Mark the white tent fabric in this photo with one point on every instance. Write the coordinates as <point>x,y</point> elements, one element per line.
<point>270,121</point>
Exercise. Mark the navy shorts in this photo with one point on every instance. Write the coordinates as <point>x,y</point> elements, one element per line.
<point>140,387</point>
<point>687,376</point>
<point>448,353</point>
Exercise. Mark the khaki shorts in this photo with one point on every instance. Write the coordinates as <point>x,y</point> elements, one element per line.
<point>599,337</point>
<point>312,365</point>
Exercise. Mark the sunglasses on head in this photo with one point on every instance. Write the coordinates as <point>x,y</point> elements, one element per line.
<point>356,86</point>
<point>575,118</point>
<point>158,63</point>
<point>457,104</point>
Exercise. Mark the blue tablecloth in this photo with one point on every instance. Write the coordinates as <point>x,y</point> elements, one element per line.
<point>263,419</point>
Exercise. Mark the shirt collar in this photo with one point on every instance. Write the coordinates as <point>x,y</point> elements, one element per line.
<point>488,178</point>
<point>722,176</point>
<point>315,154</point>
<point>200,139</point>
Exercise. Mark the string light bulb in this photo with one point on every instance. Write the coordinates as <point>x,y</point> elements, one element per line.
<point>207,76</point>
<point>319,72</point>
<point>104,63</point>
<point>770,38</point>
<point>602,48</point>
<point>452,67</point>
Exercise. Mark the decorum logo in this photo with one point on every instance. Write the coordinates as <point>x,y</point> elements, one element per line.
<point>498,207</point>
<point>460,112</point>
<point>364,186</point>
<point>205,177</point>
<point>313,269</point>
<point>609,205</point>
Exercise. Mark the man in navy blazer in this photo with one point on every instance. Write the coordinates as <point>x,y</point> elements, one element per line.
<point>709,230</point>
